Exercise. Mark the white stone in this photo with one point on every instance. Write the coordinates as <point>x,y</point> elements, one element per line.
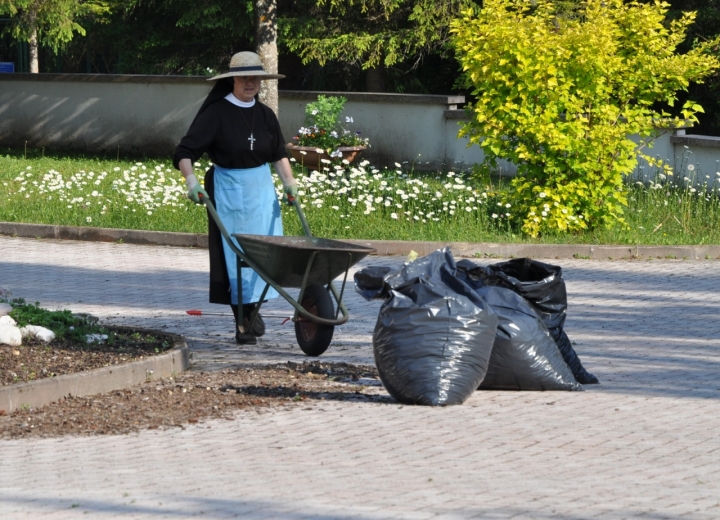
<point>5,309</point>
<point>10,335</point>
<point>5,294</point>
<point>95,338</point>
<point>7,320</point>
<point>36,331</point>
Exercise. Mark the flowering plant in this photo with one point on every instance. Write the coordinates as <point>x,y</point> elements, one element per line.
<point>324,128</point>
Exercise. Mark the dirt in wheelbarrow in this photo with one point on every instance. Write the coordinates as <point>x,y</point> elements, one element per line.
<point>195,397</point>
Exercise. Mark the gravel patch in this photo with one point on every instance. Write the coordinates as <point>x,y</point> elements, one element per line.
<point>194,397</point>
<point>37,360</point>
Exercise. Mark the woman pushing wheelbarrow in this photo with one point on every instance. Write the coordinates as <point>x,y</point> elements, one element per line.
<point>242,137</point>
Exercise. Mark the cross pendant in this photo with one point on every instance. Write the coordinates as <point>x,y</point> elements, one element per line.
<point>252,140</point>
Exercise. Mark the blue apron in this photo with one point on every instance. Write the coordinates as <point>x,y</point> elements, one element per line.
<point>247,204</point>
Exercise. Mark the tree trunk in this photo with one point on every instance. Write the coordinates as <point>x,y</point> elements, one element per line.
<point>266,47</point>
<point>33,45</point>
<point>375,79</point>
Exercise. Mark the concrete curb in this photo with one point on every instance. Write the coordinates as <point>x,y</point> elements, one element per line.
<point>106,379</point>
<point>91,234</point>
<point>383,247</point>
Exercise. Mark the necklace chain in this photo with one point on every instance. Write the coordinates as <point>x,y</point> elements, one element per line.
<point>252,128</point>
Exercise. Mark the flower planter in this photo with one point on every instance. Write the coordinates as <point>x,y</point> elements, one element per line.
<point>312,156</point>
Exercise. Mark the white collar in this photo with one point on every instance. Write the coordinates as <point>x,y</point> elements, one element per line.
<point>237,102</point>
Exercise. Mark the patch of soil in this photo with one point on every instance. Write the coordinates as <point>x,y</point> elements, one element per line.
<point>37,360</point>
<point>193,397</point>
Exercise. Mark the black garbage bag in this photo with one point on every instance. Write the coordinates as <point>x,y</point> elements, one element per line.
<point>524,356</point>
<point>543,286</point>
<point>434,334</point>
<point>370,283</point>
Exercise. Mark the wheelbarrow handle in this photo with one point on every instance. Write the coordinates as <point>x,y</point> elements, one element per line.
<point>216,218</point>
<point>301,215</point>
<point>224,232</point>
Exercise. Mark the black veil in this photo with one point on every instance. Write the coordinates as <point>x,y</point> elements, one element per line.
<point>222,88</point>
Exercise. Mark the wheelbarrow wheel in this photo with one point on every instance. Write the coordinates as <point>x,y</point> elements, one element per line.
<point>314,338</point>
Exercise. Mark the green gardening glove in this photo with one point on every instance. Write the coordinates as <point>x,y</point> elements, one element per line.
<point>196,192</point>
<point>291,193</point>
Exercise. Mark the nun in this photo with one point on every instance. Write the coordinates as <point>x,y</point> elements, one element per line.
<point>242,137</point>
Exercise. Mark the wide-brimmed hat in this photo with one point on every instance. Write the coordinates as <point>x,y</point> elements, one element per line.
<point>247,64</point>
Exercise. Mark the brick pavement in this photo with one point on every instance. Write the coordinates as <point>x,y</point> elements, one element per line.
<point>643,444</point>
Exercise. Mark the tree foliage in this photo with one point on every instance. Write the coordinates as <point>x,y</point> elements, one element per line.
<point>370,33</point>
<point>162,37</point>
<point>54,22</point>
<point>559,96</point>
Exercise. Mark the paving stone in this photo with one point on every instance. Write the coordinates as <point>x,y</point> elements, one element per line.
<point>643,444</point>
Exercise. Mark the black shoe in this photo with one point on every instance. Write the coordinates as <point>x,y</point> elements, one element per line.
<point>259,325</point>
<point>244,338</point>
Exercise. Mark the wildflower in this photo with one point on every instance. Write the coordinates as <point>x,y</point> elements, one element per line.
<point>508,205</point>
<point>691,167</point>
<point>393,216</point>
<point>88,219</point>
<point>494,215</point>
<point>542,194</point>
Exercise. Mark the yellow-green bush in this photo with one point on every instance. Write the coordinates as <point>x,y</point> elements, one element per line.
<point>559,96</point>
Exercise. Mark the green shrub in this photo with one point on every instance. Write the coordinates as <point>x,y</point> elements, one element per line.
<point>560,96</point>
<point>325,128</point>
<point>63,323</point>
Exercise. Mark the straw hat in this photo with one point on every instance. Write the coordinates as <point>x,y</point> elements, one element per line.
<point>247,64</point>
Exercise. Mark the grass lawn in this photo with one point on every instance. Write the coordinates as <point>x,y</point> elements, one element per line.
<point>355,201</point>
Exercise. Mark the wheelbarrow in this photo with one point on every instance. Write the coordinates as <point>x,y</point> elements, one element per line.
<point>308,263</point>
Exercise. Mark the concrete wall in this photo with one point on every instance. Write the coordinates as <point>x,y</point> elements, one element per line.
<point>141,114</point>
<point>149,115</point>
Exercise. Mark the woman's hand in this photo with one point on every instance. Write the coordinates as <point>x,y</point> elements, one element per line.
<point>284,170</point>
<point>291,192</point>
<point>195,190</point>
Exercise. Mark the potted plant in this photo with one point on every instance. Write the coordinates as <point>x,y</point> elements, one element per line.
<point>324,135</point>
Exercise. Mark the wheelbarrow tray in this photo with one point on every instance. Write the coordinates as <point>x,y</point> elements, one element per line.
<point>284,259</point>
